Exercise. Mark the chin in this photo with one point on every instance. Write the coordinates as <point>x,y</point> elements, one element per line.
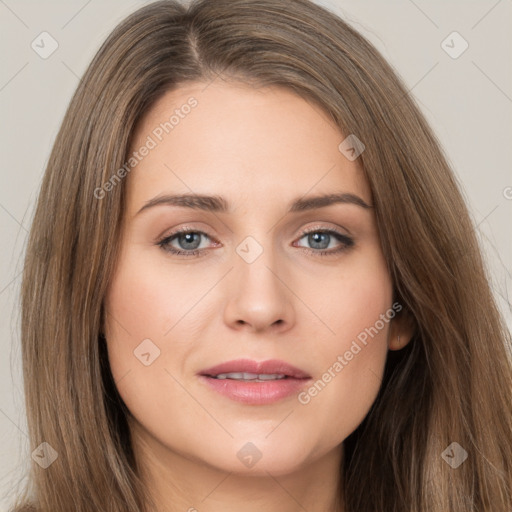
<point>258,457</point>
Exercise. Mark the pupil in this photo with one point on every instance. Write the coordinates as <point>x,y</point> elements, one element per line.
<point>189,239</point>
<point>315,240</point>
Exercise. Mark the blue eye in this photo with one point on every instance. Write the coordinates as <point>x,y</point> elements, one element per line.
<point>188,239</point>
<point>321,239</point>
<point>189,242</point>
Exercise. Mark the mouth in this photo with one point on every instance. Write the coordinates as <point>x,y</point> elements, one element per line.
<point>249,377</point>
<point>255,383</point>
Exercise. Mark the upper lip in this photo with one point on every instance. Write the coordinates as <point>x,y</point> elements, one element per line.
<point>271,366</point>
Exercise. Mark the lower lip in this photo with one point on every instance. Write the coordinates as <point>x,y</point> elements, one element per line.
<point>255,393</point>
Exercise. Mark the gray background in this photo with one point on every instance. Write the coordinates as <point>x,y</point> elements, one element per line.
<point>468,101</point>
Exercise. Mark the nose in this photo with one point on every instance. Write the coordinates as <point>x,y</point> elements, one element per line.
<point>258,298</point>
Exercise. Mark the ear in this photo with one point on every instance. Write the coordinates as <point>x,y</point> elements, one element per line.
<point>401,330</point>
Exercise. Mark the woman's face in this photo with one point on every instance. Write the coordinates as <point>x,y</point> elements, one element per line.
<point>262,275</point>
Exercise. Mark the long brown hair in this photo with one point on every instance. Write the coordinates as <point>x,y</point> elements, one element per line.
<point>453,381</point>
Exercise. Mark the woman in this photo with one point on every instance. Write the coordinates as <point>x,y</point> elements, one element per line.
<point>259,366</point>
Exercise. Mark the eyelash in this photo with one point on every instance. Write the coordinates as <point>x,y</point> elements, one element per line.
<point>347,242</point>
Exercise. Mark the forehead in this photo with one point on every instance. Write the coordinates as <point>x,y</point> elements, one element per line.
<point>242,142</point>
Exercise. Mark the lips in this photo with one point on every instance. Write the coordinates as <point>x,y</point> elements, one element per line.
<point>248,366</point>
<point>255,383</point>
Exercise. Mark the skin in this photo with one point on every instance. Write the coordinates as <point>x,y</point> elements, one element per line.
<point>260,149</point>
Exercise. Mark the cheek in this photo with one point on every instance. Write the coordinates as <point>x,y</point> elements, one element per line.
<point>353,350</point>
<point>145,323</point>
<point>351,299</point>
<point>144,308</point>
<point>146,300</point>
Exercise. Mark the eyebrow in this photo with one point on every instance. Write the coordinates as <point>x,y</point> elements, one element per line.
<point>219,204</point>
